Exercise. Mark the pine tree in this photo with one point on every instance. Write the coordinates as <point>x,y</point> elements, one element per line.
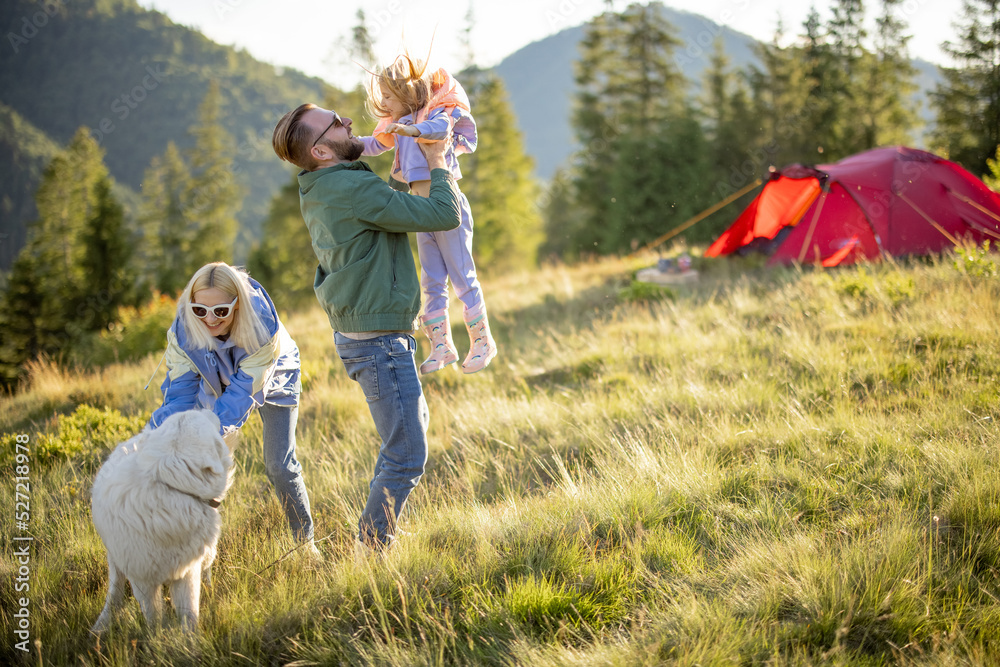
<point>718,86</point>
<point>168,233</point>
<point>842,79</point>
<point>659,184</point>
<point>465,39</point>
<point>627,86</point>
<point>214,196</point>
<point>816,131</point>
<point>284,260</point>
<point>498,182</point>
<point>784,98</point>
<point>847,31</point>
<point>968,103</point>
<point>21,324</point>
<point>733,132</point>
<point>107,261</point>
<point>58,290</point>
<point>66,199</point>
<point>361,41</point>
<point>594,121</point>
<point>888,81</point>
<point>564,220</point>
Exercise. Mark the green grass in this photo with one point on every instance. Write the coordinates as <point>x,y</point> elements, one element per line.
<point>790,467</point>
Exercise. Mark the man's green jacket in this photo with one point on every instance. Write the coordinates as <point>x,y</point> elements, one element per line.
<point>366,279</point>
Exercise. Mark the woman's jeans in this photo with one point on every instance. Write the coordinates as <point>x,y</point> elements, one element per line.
<point>283,469</point>
<point>387,372</point>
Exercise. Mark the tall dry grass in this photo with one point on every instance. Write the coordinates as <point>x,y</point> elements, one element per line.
<point>781,466</point>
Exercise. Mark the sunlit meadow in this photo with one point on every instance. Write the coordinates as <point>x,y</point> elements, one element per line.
<point>781,466</point>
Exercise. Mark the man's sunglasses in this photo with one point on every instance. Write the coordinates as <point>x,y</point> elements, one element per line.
<point>336,121</point>
<point>221,311</point>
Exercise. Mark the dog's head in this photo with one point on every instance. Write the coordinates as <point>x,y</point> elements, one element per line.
<point>188,453</point>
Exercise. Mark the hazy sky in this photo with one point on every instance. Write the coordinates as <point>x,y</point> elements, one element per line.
<point>312,35</point>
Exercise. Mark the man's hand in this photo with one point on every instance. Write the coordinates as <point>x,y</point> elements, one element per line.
<point>399,128</point>
<point>434,151</point>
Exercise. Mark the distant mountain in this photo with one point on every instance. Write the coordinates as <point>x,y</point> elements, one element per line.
<point>136,79</point>
<point>539,79</point>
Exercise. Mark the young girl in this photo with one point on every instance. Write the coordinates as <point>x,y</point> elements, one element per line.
<point>228,352</point>
<point>413,105</point>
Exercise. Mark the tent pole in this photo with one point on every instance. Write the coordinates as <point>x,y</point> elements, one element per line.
<point>698,218</point>
<point>977,206</point>
<point>969,201</point>
<point>985,230</point>
<point>926,217</point>
<point>812,228</point>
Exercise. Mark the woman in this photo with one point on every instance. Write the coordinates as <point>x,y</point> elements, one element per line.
<point>227,351</point>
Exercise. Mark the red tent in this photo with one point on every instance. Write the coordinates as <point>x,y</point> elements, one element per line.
<point>895,200</point>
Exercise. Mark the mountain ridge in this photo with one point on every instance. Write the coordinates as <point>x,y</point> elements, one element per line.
<point>136,79</point>
<point>546,66</point>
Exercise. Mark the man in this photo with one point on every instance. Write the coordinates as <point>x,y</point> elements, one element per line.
<point>367,283</point>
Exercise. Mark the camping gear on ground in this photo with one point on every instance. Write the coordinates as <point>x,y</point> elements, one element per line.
<point>669,271</point>
<point>895,200</point>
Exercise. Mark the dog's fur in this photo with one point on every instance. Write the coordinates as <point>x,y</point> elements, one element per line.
<point>150,505</point>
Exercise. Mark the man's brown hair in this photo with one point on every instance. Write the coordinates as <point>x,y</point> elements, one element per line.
<point>291,139</point>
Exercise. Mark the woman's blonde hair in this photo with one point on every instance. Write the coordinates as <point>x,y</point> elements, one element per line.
<point>247,332</point>
<point>406,79</point>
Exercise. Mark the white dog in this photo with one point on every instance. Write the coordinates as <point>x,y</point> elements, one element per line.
<point>154,505</point>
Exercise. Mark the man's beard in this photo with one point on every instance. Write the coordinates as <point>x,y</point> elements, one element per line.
<point>350,149</point>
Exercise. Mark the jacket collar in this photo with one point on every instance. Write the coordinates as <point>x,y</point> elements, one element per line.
<point>307,178</point>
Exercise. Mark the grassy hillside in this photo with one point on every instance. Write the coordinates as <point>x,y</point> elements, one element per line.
<point>782,467</point>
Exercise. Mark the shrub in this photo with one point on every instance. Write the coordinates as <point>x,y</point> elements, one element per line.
<point>867,290</point>
<point>858,285</point>
<point>138,332</point>
<point>899,289</point>
<point>976,261</point>
<point>84,436</point>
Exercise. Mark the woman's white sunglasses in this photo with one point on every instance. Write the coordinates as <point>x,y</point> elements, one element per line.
<point>221,311</point>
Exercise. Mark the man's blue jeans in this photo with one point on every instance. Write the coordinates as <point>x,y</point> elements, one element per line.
<point>386,369</point>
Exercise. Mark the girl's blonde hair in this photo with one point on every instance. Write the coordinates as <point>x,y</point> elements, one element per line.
<point>406,79</point>
<point>247,332</point>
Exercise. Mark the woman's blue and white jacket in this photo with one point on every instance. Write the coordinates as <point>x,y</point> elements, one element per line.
<point>227,380</point>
